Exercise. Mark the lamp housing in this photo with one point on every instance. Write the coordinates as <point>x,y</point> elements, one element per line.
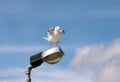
<point>52,56</point>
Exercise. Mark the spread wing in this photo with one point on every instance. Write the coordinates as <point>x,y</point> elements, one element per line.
<point>50,31</point>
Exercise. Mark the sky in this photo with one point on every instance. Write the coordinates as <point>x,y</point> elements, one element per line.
<point>91,41</point>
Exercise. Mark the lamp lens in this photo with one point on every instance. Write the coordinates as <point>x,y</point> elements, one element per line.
<point>53,58</point>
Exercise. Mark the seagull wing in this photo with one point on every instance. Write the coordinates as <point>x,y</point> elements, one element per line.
<point>50,31</point>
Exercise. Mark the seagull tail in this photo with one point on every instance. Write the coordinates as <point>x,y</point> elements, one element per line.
<point>45,38</point>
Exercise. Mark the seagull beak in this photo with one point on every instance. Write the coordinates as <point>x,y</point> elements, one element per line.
<point>63,32</point>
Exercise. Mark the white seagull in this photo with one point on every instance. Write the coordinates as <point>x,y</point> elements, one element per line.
<point>54,35</point>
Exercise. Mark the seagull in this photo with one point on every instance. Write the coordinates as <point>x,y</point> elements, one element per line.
<point>53,35</point>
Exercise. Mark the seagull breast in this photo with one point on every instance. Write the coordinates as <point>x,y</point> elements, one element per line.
<point>54,39</point>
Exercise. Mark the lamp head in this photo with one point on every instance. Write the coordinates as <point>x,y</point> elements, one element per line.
<point>52,55</point>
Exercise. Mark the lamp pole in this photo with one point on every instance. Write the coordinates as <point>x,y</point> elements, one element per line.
<point>28,73</point>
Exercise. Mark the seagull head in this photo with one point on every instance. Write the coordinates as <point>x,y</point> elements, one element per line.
<point>58,29</point>
<point>62,31</point>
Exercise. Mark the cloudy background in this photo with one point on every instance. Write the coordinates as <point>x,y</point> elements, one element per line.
<point>91,43</point>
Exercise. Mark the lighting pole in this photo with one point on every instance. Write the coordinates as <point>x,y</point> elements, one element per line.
<point>51,56</point>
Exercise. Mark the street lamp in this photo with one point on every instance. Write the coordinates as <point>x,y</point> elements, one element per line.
<point>51,56</point>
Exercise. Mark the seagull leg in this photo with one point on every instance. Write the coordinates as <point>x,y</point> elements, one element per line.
<point>50,45</point>
<point>56,44</point>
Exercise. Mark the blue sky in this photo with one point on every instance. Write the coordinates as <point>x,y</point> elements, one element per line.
<point>92,33</point>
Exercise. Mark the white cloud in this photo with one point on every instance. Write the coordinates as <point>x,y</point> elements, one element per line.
<point>101,61</point>
<point>19,48</point>
<point>41,75</point>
